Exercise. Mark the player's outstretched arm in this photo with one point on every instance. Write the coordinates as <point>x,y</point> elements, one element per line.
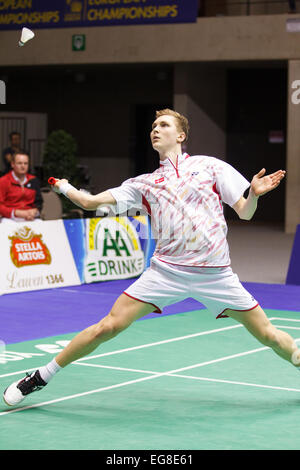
<point>261,184</point>
<point>83,199</point>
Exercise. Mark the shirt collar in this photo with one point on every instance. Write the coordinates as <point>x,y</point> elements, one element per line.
<point>167,161</point>
<point>18,179</point>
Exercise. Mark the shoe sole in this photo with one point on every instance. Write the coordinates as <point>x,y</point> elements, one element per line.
<point>8,404</point>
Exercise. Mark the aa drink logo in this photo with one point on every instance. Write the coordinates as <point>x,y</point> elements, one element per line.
<point>114,250</point>
<point>27,248</point>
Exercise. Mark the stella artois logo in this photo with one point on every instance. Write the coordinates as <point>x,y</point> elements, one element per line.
<point>27,248</point>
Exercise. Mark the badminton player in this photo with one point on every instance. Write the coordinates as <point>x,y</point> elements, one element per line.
<point>184,197</point>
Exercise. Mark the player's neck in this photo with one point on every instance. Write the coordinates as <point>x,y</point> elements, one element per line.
<point>21,178</point>
<point>171,154</point>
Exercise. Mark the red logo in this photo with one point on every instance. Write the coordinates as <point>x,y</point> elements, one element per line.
<point>160,180</point>
<point>28,248</point>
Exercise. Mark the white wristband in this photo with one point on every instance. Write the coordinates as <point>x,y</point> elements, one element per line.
<point>64,188</point>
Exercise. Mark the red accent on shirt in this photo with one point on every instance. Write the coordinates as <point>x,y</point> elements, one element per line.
<point>146,205</point>
<point>160,180</point>
<point>175,166</point>
<point>214,188</point>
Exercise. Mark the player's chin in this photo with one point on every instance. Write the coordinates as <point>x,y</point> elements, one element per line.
<point>156,145</point>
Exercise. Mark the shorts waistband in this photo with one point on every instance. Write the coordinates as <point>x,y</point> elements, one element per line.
<point>190,269</point>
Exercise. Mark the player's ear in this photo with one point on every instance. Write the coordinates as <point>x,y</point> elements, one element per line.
<point>181,137</point>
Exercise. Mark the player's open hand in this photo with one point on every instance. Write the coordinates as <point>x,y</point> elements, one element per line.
<point>261,184</point>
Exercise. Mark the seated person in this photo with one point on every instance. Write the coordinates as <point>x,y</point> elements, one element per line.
<point>20,194</point>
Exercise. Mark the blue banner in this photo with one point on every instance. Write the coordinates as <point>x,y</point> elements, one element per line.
<point>71,13</point>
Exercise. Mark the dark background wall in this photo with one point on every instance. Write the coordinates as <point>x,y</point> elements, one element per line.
<point>96,104</point>
<point>256,105</point>
<point>109,111</point>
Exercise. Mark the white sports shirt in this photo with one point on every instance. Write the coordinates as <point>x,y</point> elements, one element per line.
<point>184,201</point>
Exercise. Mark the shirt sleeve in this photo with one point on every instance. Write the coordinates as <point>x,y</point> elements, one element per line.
<point>230,184</point>
<point>127,196</point>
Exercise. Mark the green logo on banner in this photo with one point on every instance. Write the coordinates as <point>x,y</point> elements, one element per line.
<point>114,250</point>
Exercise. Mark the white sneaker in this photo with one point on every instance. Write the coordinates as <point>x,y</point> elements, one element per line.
<point>17,391</point>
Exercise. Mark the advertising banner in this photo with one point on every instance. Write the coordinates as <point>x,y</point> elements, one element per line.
<point>69,13</point>
<point>35,255</point>
<point>110,248</point>
<point>46,254</point>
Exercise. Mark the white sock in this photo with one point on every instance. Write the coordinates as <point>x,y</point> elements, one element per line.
<point>48,371</point>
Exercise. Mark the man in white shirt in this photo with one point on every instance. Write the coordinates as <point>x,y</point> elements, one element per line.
<point>184,199</point>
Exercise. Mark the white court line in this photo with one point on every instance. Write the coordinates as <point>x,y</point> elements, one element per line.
<point>179,338</point>
<point>286,319</point>
<point>234,382</point>
<point>115,368</point>
<point>247,384</point>
<point>144,378</point>
<point>155,375</point>
<point>193,366</point>
<point>142,346</point>
<point>19,372</point>
<point>287,327</point>
<point>57,400</point>
<point>86,292</point>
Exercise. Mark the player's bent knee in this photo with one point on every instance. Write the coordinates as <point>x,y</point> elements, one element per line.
<point>102,331</point>
<point>107,328</point>
<point>269,337</point>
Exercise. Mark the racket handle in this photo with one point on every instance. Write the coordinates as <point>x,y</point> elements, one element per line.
<point>52,180</point>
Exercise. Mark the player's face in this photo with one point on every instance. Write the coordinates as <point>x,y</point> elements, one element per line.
<point>20,165</point>
<point>165,134</point>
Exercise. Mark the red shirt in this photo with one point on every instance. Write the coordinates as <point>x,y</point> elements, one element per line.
<point>14,196</point>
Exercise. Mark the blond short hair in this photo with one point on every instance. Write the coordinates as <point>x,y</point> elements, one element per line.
<point>182,122</point>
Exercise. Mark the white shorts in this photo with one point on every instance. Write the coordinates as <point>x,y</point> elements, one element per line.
<point>217,289</point>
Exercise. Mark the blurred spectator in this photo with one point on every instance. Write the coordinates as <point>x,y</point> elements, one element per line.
<point>292,6</point>
<point>15,146</point>
<point>20,195</point>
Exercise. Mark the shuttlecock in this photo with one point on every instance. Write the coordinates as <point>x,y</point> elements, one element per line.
<point>26,35</point>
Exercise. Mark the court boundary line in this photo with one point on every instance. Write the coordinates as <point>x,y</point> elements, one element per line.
<point>285,327</point>
<point>193,377</point>
<point>249,384</point>
<point>155,375</point>
<point>130,382</point>
<point>151,344</point>
<point>171,340</point>
<point>142,346</point>
<point>285,319</point>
